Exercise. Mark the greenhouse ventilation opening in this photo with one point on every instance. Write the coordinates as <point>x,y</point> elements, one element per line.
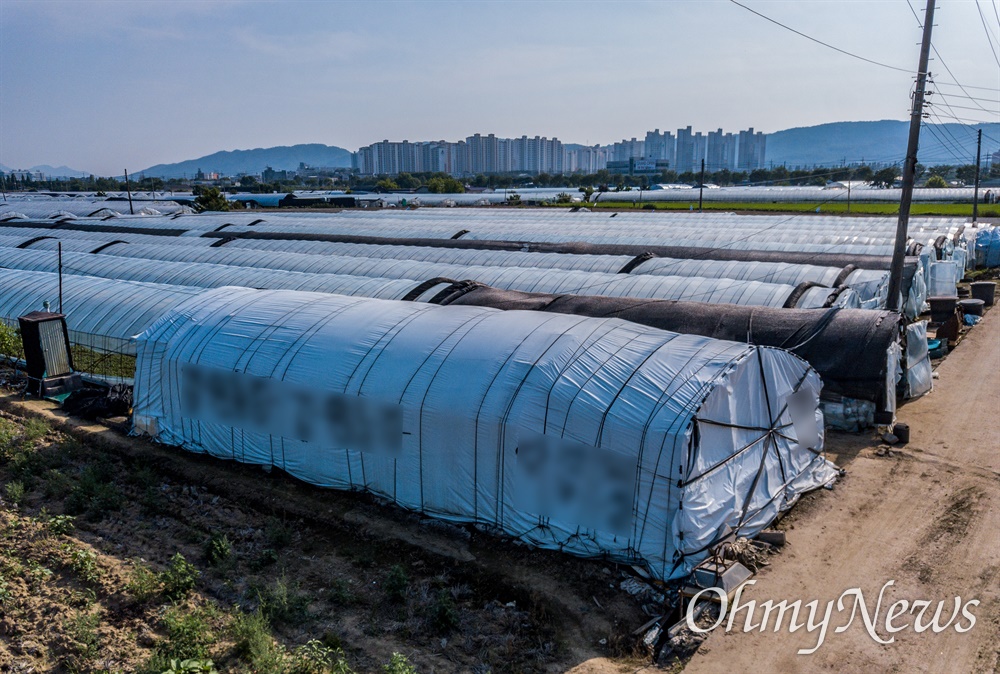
<point>598,437</point>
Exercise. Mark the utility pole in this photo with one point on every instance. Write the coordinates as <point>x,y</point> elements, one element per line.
<point>909,165</point>
<point>975,192</point>
<point>129,190</point>
<point>59,249</point>
<point>701,184</point>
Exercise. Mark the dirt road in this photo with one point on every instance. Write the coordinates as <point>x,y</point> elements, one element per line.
<point>926,517</point>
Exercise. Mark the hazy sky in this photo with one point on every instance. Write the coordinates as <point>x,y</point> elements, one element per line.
<point>102,86</point>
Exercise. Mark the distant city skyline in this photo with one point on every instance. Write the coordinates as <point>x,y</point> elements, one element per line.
<point>103,86</point>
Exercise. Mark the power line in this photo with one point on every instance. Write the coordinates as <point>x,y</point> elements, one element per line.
<point>989,35</point>
<point>817,41</point>
<point>969,86</point>
<point>941,58</point>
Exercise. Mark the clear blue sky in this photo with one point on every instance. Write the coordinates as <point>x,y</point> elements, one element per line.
<point>102,86</point>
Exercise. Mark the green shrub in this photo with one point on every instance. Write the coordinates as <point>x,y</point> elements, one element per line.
<point>398,664</point>
<point>179,578</point>
<point>14,491</point>
<point>254,644</point>
<point>60,525</point>
<point>282,604</point>
<point>188,635</point>
<point>10,342</point>
<point>396,584</point>
<point>315,658</point>
<point>84,564</point>
<point>277,533</point>
<point>95,495</point>
<point>82,628</point>
<point>143,583</point>
<point>444,615</point>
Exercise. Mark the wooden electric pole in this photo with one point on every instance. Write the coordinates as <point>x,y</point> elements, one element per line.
<point>128,189</point>
<point>909,165</point>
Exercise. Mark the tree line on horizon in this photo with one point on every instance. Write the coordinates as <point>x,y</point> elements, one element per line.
<point>442,183</point>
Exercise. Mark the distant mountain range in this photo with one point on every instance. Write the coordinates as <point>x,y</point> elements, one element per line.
<point>824,145</point>
<point>883,141</point>
<point>254,161</point>
<point>51,171</point>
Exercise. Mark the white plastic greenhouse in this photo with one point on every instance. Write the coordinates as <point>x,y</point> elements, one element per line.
<point>368,277</point>
<point>660,445</point>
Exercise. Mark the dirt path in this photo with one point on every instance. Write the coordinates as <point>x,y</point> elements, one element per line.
<point>926,517</point>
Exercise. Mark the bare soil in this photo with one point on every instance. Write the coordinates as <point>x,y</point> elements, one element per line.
<point>340,569</point>
<point>926,515</point>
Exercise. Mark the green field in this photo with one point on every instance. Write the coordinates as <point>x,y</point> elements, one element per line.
<point>863,208</point>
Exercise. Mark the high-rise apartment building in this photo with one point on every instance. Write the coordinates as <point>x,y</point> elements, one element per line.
<point>751,150</point>
<point>684,154</point>
<point>660,146</point>
<point>476,154</point>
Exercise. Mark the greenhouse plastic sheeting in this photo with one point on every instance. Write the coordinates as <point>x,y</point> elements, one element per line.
<point>392,279</point>
<point>661,445</point>
<point>817,335</point>
<point>988,247</point>
<point>101,314</point>
<point>918,379</point>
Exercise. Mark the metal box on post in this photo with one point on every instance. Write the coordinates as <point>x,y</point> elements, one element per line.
<point>48,359</point>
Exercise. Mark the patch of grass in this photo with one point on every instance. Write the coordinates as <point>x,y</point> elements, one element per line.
<point>108,364</point>
<point>35,429</point>
<point>838,207</point>
<point>283,604</point>
<point>179,578</point>
<point>95,495</point>
<point>55,484</point>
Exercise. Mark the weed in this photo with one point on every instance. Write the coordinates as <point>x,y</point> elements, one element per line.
<point>36,574</point>
<point>56,484</point>
<point>444,615</point>
<point>179,578</point>
<point>143,584</point>
<point>83,563</point>
<point>95,495</point>
<point>188,635</point>
<point>14,491</point>
<point>315,658</point>
<point>83,630</point>
<point>283,605</point>
<point>277,534</point>
<point>253,642</point>
<point>218,549</point>
<point>399,664</point>
<point>267,557</point>
<point>151,501</point>
<point>396,584</point>
<point>60,525</point>
<point>5,594</point>
<point>340,593</point>
<point>191,667</point>
<point>35,429</point>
